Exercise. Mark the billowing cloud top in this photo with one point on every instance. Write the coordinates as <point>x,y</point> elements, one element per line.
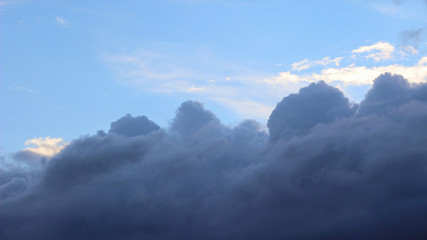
<point>133,126</point>
<point>328,169</point>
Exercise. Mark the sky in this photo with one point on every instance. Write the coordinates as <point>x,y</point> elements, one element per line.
<point>69,67</point>
<point>210,119</point>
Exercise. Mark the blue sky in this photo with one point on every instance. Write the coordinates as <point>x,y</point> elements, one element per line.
<point>70,68</point>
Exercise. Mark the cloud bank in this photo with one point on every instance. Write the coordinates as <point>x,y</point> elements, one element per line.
<point>326,169</point>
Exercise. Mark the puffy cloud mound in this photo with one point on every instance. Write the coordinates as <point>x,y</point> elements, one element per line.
<point>328,170</point>
<point>191,117</point>
<point>133,126</point>
<point>317,103</point>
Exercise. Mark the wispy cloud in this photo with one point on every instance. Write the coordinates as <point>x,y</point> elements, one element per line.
<point>200,74</point>
<point>21,89</point>
<point>211,79</point>
<point>4,3</point>
<point>306,64</point>
<point>61,21</point>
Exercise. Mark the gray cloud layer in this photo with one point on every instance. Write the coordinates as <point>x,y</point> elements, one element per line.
<point>328,169</point>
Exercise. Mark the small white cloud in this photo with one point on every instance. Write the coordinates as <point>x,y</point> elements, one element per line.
<point>302,65</point>
<point>61,21</point>
<point>195,89</point>
<point>378,51</point>
<point>408,50</point>
<point>305,64</point>
<point>21,89</point>
<point>47,146</point>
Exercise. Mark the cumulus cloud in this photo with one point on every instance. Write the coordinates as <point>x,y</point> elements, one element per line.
<point>323,168</point>
<point>317,103</point>
<point>133,126</point>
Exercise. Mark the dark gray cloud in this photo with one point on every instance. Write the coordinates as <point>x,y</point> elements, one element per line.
<point>133,126</point>
<point>317,103</point>
<point>192,117</point>
<point>387,93</point>
<point>328,170</point>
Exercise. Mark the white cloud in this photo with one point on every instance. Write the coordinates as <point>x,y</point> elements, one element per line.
<point>355,75</point>
<point>408,50</point>
<point>195,89</point>
<point>306,64</point>
<point>378,51</point>
<point>61,21</point>
<point>47,146</point>
<point>21,89</point>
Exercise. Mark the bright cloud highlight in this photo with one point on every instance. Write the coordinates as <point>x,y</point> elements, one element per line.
<point>47,147</point>
<point>378,51</point>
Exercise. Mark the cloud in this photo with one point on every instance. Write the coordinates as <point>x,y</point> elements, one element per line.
<point>47,146</point>
<point>133,126</point>
<point>328,169</point>
<point>199,74</point>
<point>21,88</point>
<point>305,64</point>
<point>62,22</point>
<point>317,103</point>
<point>378,51</point>
<point>412,37</point>
<point>254,93</point>
<point>347,76</point>
<point>39,152</point>
<point>192,117</point>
